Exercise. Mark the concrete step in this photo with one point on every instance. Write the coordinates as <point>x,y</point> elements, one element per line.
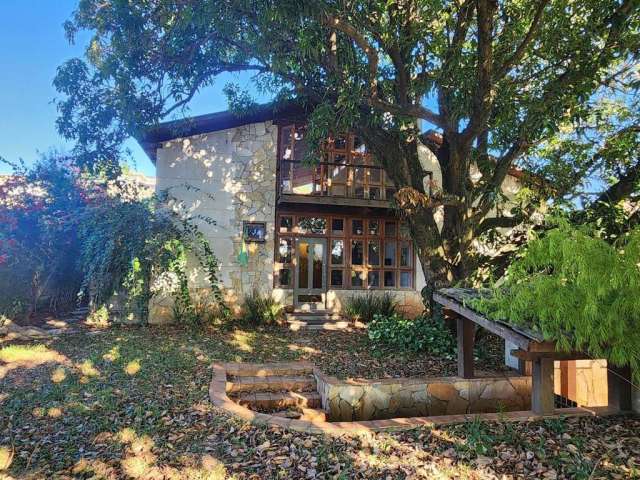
<point>313,415</point>
<point>271,384</point>
<point>278,400</point>
<point>269,369</point>
<point>328,325</point>
<point>314,316</point>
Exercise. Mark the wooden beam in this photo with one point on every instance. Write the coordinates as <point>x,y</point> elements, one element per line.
<point>542,395</point>
<point>532,355</point>
<point>466,338</point>
<point>501,330</point>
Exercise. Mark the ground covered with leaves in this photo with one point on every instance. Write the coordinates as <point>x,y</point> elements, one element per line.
<point>132,403</point>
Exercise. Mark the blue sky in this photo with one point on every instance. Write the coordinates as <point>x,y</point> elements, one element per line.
<point>32,46</point>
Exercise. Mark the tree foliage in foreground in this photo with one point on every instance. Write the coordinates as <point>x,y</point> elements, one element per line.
<point>577,290</point>
<point>493,78</point>
<point>67,236</point>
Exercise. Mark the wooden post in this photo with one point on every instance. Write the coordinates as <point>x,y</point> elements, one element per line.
<point>466,338</point>
<point>619,387</point>
<point>542,396</point>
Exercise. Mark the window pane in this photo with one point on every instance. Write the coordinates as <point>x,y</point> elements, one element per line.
<point>317,225</point>
<point>374,193</point>
<point>357,278</point>
<point>357,227</point>
<point>389,254</point>
<point>390,278</point>
<point>389,193</point>
<point>374,227</point>
<point>337,252</point>
<point>374,253</point>
<point>389,229</point>
<point>358,146</point>
<point>286,224</point>
<point>404,230</point>
<point>337,226</point>
<point>284,277</point>
<point>284,250</point>
<point>405,279</point>
<point>318,265</point>
<point>405,254</point>
<point>303,265</point>
<point>336,278</point>
<point>373,279</point>
<point>340,143</point>
<point>357,252</point>
<point>375,175</point>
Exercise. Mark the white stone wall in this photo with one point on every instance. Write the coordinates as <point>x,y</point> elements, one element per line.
<point>228,176</point>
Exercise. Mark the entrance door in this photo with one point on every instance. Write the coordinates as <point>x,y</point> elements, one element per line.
<point>311,279</point>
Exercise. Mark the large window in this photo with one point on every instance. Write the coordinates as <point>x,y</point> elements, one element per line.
<point>363,253</point>
<point>345,168</point>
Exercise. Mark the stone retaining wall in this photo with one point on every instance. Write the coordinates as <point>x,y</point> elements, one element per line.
<point>357,400</point>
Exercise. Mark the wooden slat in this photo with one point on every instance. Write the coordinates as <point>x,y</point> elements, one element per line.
<point>499,329</point>
<point>532,355</point>
<point>328,200</point>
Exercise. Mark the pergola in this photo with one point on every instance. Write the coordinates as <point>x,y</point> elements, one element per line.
<point>531,347</point>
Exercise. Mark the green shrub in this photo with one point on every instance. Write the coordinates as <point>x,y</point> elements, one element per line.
<point>259,309</point>
<point>363,308</point>
<point>424,334</point>
<point>577,290</point>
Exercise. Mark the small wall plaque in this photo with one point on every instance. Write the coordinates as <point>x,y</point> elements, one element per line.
<point>254,231</point>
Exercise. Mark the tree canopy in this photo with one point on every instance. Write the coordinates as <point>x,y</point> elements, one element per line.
<point>496,79</point>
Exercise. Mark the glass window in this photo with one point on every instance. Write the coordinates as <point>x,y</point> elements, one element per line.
<point>337,252</point>
<point>284,250</point>
<point>336,278</point>
<point>303,265</point>
<point>390,278</point>
<point>373,279</point>
<point>390,229</point>
<point>405,279</point>
<point>405,254</point>
<point>337,226</point>
<point>357,227</point>
<point>357,252</point>
<point>284,277</point>
<point>318,265</point>
<point>340,143</point>
<point>373,253</point>
<point>357,278</point>
<point>317,225</point>
<point>405,232</point>
<point>389,254</point>
<point>286,224</point>
<point>374,227</point>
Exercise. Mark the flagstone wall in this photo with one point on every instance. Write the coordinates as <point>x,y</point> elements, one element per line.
<point>357,400</point>
<point>228,176</point>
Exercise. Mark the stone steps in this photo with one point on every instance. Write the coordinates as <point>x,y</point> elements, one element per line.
<point>273,383</point>
<point>269,369</point>
<point>279,400</point>
<point>313,415</point>
<point>319,320</point>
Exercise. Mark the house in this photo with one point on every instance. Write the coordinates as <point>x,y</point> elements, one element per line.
<point>310,235</point>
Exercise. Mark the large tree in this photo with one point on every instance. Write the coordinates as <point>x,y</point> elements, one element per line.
<point>493,78</point>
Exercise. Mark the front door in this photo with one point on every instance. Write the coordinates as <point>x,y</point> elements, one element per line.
<point>311,279</point>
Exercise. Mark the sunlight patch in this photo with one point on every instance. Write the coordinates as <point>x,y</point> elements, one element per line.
<point>87,369</point>
<point>54,412</point>
<point>58,375</point>
<point>242,341</point>
<point>133,367</point>
<point>6,457</point>
<point>297,348</point>
<point>112,355</point>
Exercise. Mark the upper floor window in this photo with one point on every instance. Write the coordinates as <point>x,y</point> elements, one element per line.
<point>345,168</point>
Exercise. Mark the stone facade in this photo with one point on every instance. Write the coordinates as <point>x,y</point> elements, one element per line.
<point>228,176</point>
<point>357,400</point>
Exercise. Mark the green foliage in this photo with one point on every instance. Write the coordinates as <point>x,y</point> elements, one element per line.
<point>424,334</point>
<point>363,308</point>
<point>134,247</point>
<point>577,290</point>
<point>261,309</point>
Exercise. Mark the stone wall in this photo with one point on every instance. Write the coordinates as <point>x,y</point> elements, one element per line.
<point>228,176</point>
<point>354,400</point>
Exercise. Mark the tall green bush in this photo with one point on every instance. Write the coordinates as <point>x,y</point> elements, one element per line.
<point>577,290</point>
<point>261,309</point>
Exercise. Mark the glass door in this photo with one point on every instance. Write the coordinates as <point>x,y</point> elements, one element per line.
<point>311,281</point>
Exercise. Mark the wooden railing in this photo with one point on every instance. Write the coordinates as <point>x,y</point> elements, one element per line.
<point>327,179</point>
